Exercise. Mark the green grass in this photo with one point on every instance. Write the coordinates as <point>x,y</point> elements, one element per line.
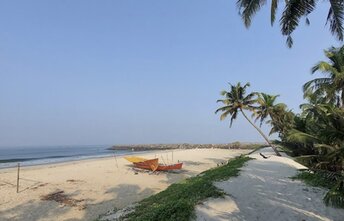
<point>334,183</point>
<point>314,179</point>
<point>178,201</point>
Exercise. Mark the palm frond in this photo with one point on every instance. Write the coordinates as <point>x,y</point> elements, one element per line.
<point>225,114</point>
<point>221,101</point>
<point>293,11</point>
<point>324,67</point>
<point>335,18</point>
<point>301,137</point>
<point>274,130</point>
<point>223,93</point>
<point>324,148</point>
<point>289,41</point>
<point>248,8</point>
<point>335,197</point>
<point>315,84</point>
<point>224,108</point>
<point>274,5</point>
<point>233,117</point>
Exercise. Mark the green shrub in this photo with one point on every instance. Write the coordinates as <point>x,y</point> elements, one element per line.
<point>177,202</point>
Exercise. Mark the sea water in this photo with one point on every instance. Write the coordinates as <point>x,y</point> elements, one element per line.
<point>28,156</point>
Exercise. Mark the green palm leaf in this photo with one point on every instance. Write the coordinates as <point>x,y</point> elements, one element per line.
<point>293,11</point>
<point>335,18</point>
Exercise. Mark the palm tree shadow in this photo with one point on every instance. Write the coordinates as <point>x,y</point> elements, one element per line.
<point>264,191</point>
<point>33,210</point>
<point>119,197</point>
<point>219,161</point>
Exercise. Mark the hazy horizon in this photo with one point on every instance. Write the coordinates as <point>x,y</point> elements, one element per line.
<point>134,72</point>
<point>114,144</point>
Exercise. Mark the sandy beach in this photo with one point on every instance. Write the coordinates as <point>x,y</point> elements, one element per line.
<point>265,191</point>
<point>93,187</point>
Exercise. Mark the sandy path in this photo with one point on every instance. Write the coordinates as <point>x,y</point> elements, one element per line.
<point>94,186</point>
<point>264,192</point>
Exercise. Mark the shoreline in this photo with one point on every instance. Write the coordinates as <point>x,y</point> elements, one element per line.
<point>95,186</point>
<point>76,161</point>
<point>132,149</point>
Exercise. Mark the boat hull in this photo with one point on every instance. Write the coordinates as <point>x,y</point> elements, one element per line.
<point>152,164</point>
<point>176,166</point>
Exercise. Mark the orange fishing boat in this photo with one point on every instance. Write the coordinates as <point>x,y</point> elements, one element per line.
<point>176,166</point>
<point>152,164</point>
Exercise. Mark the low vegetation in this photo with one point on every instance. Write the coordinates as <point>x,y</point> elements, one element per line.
<point>332,181</point>
<point>178,201</point>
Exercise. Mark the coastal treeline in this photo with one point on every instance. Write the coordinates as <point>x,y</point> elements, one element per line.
<point>315,135</point>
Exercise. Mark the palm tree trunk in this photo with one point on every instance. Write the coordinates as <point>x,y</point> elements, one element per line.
<point>261,133</point>
<point>342,99</point>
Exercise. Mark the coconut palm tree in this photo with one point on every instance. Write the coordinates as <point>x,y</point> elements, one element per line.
<point>323,129</point>
<point>266,107</point>
<point>282,121</point>
<point>236,101</point>
<point>293,11</point>
<point>280,118</point>
<point>329,89</point>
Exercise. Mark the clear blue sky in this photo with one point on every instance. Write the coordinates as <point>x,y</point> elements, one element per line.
<point>143,71</point>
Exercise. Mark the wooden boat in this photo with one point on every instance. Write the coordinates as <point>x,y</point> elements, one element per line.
<point>152,164</point>
<point>148,164</point>
<point>176,166</point>
<point>135,159</point>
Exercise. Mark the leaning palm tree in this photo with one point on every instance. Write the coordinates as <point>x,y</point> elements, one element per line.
<point>275,114</point>
<point>282,121</point>
<point>236,101</point>
<point>267,107</point>
<point>293,11</point>
<point>329,89</point>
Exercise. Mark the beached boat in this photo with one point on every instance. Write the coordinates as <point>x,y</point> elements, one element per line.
<point>176,166</point>
<point>152,164</point>
<point>148,164</point>
<point>135,159</point>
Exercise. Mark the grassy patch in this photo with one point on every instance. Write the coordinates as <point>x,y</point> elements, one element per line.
<point>314,179</point>
<point>334,183</point>
<point>178,201</point>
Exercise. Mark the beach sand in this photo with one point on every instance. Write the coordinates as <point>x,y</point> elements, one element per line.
<point>93,187</point>
<point>264,191</point>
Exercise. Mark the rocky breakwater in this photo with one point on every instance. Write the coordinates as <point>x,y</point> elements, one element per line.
<point>144,147</point>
